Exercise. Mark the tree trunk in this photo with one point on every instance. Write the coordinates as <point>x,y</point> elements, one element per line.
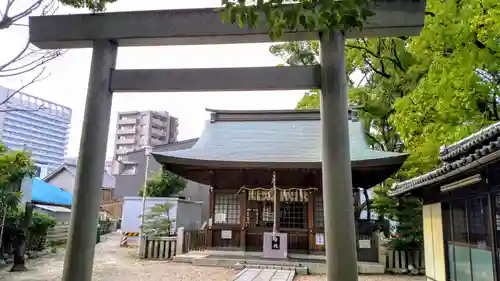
<point>21,240</point>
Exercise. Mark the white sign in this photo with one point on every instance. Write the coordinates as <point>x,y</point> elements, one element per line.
<point>365,244</point>
<point>226,234</point>
<point>320,239</point>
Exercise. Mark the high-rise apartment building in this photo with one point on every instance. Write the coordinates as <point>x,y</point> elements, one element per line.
<point>37,125</point>
<point>137,129</point>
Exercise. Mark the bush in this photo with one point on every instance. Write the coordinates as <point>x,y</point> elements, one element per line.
<point>105,226</point>
<point>39,225</point>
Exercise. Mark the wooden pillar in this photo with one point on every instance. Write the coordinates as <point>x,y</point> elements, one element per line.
<point>278,203</point>
<point>243,219</point>
<point>211,218</point>
<point>310,221</point>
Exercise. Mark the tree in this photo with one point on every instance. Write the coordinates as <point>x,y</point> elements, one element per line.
<point>419,93</point>
<point>164,184</point>
<point>314,16</point>
<point>157,221</point>
<point>30,60</point>
<point>14,167</point>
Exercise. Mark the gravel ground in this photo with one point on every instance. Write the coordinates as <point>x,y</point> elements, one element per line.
<point>113,263</point>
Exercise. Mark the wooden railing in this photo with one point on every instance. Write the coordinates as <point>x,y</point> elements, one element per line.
<point>158,248</point>
<point>400,261</point>
<point>194,240</point>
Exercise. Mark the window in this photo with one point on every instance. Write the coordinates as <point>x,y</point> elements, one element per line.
<point>478,223</point>
<point>319,215</point>
<point>129,169</point>
<point>468,244</point>
<point>293,215</point>
<point>227,209</point>
<point>459,221</point>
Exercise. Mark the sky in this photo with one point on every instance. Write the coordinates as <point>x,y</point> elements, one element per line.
<point>67,83</point>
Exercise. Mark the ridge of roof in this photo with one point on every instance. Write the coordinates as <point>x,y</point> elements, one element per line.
<point>55,172</point>
<point>108,180</point>
<point>449,153</point>
<point>165,145</point>
<point>229,115</point>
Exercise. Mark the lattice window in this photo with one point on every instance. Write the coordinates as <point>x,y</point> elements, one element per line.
<point>227,209</point>
<point>293,215</point>
<point>319,215</point>
<point>260,214</point>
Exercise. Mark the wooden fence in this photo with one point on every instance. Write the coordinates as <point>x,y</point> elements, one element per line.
<point>58,234</point>
<point>114,209</point>
<point>194,240</point>
<point>158,248</point>
<point>399,261</point>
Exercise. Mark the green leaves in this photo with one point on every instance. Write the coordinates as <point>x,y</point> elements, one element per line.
<point>164,184</point>
<point>92,5</point>
<point>419,93</point>
<point>157,221</point>
<point>305,15</point>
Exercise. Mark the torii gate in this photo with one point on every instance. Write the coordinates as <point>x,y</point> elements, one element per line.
<point>105,32</point>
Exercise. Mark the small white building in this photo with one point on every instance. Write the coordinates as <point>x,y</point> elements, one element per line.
<point>183,213</point>
<point>61,214</point>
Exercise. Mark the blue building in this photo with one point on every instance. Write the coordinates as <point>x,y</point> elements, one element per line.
<point>40,126</point>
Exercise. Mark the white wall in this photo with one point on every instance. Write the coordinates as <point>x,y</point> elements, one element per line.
<point>132,207</point>
<point>64,180</point>
<point>189,214</point>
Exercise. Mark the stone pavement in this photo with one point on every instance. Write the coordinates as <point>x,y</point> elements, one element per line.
<point>267,274</point>
<point>113,263</point>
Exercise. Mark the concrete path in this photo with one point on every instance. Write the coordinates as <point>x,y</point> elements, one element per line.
<point>256,274</point>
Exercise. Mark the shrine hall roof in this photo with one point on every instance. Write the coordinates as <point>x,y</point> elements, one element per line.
<point>272,139</point>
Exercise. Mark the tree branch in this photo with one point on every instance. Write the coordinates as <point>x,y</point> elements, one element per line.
<point>372,67</point>
<point>35,79</point>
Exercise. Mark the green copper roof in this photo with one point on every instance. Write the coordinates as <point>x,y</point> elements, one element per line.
<point>271,139</point>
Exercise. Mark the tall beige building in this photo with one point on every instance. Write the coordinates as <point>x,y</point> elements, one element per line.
<point>137,129</point>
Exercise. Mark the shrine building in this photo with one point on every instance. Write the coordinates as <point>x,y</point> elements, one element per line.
<point>240,153</point>
<point>461,209</point>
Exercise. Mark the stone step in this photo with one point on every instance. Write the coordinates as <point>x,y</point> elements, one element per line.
<point>300,270</point>
<point>255,274</point>
<point>272,262</point>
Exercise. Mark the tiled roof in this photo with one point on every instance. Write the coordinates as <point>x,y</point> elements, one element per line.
<point>284,136</point>
<point>456,158</point>
<point>469,144</point>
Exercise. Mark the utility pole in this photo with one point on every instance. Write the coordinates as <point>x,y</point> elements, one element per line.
<point>147,152</point>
